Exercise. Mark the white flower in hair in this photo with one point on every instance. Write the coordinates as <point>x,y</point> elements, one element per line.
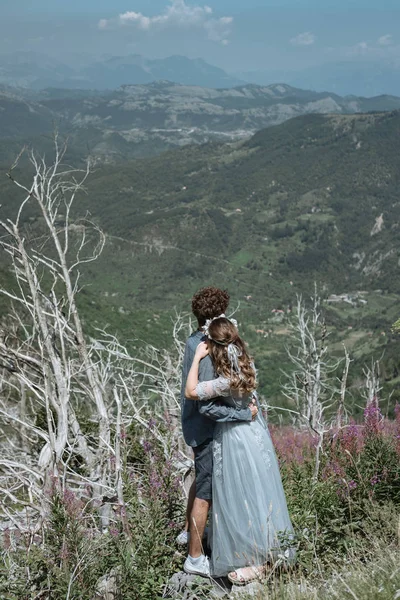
<point>206,327</point>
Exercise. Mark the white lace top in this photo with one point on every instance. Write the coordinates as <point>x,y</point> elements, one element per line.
<point>206,390</point>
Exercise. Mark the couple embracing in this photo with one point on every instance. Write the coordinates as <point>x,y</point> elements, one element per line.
<point>235,464</point>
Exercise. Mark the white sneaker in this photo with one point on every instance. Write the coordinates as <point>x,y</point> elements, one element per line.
<point>183,538</point>
<point>200,567</point>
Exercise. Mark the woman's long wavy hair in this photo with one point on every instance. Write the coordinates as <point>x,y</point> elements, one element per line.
<point>223,332</point>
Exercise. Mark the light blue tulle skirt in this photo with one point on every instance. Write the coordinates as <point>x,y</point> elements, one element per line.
<point>250,523</point>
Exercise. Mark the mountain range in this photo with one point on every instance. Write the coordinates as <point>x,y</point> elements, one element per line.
<point>36,71</point>
<point>361,77</point>
<point>141,120</point>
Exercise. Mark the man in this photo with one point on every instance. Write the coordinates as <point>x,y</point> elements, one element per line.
<point>198,421</point>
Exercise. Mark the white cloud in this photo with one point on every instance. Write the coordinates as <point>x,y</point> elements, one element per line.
<point>219,29</point>
<point>303,39</point>
<point>177,14</point>
<point>385,40</point>
<point>360,48</point>
<point>138,19</point>
<point>372,50</point>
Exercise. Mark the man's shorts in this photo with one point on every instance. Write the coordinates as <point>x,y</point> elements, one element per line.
<point>203,464</point>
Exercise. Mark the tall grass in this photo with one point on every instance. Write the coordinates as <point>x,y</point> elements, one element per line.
<point>346,523</point>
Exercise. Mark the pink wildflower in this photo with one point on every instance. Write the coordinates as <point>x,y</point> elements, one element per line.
<point>72,504</point>
<point>114,532</point>
<point>373,419</point>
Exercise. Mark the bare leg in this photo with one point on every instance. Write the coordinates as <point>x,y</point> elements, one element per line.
<point>190,502</point>
<point>248,574</point>
<point>198,520</point>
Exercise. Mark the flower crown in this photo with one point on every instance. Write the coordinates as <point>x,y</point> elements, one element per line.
<point>206,327</point>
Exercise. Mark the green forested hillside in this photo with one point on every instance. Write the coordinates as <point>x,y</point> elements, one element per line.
<point>315,197</point>
<point>312,200</point>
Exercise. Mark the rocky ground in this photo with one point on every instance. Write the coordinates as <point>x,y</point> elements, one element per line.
<point>188,587</point>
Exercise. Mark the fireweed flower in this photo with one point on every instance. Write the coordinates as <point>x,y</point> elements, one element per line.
<point>292,445</point>
<point>397,427</point>
<point>7,539</point>
<point>169,422</point>
<point>72,504</point>
<point>147,447</point>
<point>346,487</point>
<point>333,468</point>
<point>373,419</point>
<point>351,438</point>
<point>114,532</point>
<point>53,487</point>
<point>155,481</point>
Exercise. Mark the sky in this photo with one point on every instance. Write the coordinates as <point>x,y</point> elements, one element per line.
<point>237,35</point>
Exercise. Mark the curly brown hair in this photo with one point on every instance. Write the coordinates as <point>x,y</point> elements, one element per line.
<point>221,333</point>
<point>209,302</point>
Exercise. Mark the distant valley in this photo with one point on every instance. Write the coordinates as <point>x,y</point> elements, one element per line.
<point>144,120</point>
<point>314,199</point>
<point>261,189</point>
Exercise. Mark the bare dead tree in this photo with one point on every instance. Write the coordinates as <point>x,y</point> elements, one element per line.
<point>157,375</point>
<point>341,409</point>
<point>316,394</point>
<point>372,385</point>
<point>53,371</point>
<point>49,357</point>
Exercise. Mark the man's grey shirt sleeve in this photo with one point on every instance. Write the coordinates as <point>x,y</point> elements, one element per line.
<point>206,369</point>
<point>218,411</point>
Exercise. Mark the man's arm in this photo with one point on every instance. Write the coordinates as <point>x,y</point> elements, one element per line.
<point>215,409</point>
<point>186,363</point>
<point>218,411</point>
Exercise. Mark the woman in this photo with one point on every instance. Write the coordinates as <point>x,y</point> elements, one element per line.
<point>249,514</point>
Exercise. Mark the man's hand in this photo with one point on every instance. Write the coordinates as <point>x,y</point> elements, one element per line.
<point>254,410</point>
<point>201,350</point>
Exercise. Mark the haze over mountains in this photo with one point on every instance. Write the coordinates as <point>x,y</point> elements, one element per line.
<point>364,78</point>
<point>37,71</point>
<point>141,120</point>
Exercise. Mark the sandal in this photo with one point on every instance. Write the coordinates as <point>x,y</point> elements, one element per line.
<point>241,578</point>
